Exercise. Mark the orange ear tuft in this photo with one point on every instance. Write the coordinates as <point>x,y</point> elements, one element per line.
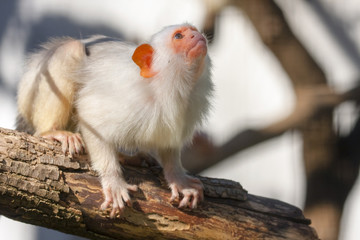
<point>142,56</point>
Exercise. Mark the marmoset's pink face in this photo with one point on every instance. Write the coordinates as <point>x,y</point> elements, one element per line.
<point>189,41</point>
<point>184,41</point>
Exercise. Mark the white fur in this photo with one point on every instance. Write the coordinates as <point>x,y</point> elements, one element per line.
<point>133,112</point>
<point>47,88</point>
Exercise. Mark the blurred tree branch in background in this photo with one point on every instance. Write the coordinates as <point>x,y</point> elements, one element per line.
<point>331,163</point>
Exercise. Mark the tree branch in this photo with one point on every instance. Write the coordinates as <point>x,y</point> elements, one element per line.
<point>42,186</point>
<point>310,102</point>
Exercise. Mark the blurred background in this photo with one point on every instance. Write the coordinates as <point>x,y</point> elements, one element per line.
<point>285,115</point>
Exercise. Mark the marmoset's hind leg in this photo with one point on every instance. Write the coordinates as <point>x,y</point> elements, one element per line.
<point>47,90</point>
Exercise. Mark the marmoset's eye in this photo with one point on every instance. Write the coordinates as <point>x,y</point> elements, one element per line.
<point>178,36</point>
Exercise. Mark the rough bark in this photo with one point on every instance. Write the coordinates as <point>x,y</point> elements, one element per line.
<point>42,186</point>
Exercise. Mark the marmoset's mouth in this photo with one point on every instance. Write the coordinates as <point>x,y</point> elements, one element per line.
<point>198,48</point>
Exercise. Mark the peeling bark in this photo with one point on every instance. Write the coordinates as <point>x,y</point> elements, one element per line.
<point>42,186</point>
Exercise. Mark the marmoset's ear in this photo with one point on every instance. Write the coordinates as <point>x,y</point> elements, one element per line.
<point>143,56</point>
